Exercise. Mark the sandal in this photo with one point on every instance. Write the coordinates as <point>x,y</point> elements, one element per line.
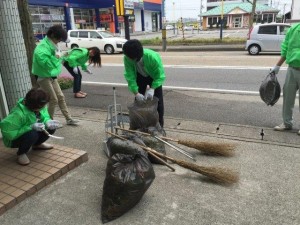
<point>81,92</point>
<point>79,95</point>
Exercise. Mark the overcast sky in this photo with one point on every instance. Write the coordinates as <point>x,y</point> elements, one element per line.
<point>191,8</point>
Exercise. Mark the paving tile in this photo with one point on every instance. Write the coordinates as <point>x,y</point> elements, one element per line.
<point>2,209</point>
<point>20,182</point>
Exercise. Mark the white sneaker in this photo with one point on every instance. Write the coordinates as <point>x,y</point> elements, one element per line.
<point>298,132</point>
<point>72,122</point>
<point>282,127</point>
<point>23,160</point>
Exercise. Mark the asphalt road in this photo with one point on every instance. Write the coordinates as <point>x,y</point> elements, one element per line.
<point>224,92</point>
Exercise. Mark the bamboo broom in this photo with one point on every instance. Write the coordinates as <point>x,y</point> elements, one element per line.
<point>222,149</point>
<point>215,173</point>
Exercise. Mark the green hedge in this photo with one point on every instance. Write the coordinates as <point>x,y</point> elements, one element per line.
<point>65,81</point>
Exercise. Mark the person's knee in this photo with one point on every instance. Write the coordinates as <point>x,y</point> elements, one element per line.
<point>53,101</point>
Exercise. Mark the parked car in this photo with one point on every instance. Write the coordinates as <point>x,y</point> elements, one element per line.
<point>266,38</point>
<point>188,27</point>
<point>169,27</point>
<point>104,40</point>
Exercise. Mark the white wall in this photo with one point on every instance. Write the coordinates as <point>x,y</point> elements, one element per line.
<point>138,20</point>
<point>296,10</point>
<point>148,20</point>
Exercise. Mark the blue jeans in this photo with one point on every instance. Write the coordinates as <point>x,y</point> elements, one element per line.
<point>27,140</point>
<point>77,77</point>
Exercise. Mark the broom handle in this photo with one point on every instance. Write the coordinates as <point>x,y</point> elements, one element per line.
<point>140,132</point>
<point>145,148</point>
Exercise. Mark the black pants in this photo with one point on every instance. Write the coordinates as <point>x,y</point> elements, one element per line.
<point>29,139</point>
<point>77,77</point>
<point>142,83</point>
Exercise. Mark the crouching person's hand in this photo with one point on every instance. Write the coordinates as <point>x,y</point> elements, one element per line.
<point>38,126</point>
<point>53,124</point>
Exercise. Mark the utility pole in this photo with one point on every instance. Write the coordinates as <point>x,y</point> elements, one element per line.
<point>221,21</point>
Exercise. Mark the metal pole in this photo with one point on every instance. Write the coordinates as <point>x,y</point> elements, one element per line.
<point>221,22</point>
<point>126,24</point>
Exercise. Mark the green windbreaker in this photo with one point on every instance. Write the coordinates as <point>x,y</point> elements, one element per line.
<point>77,57</point>
<point>19,122</point>
<point>45,63</point>
<point>290,47</point>
<point>152,65</point>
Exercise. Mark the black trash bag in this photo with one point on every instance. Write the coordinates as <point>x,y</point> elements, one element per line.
<point>144,114</point>
<point>155,144</point>
<point>148,141</point>
<point>270,89</point>
<point>127,179</point>
<point>116,145</point>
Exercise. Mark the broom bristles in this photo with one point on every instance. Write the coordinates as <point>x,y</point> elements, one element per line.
<point>217,174</point>
<point>223,149</point>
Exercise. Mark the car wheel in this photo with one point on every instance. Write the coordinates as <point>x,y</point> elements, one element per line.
<point>254,49</point>
<point>109,49</point>
<point>74,46</point>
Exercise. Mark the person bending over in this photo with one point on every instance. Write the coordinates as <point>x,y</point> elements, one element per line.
<point>47,65</point>
<point>78,57</point>
<point>143,67</point>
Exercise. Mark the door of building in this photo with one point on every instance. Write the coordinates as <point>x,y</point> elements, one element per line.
<point>237,21</point>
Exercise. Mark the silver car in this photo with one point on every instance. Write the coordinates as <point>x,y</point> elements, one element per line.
<point>266,38</point>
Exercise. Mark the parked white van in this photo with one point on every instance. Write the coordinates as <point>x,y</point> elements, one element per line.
<point>266,37</point>
<point>104,40</point>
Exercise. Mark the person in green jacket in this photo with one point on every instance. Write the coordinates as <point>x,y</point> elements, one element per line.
<point>144,73</point>
<point>47,66</point>
<point>290,53</point>
<point>24,127</point>
<point>78,57</point>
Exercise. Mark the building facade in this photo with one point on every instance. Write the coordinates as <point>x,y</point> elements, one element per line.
<point>295,12</point>
<point>237,15</point>
<point>94,14</point>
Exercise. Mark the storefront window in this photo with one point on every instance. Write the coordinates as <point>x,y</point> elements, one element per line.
<point>84,18</point>
<point>44,17</point>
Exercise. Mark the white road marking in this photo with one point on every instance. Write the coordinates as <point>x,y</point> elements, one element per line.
<point>210,90</point>
<point>208,67</point>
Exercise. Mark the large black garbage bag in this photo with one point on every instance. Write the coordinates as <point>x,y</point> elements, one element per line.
<point>270,89</point>
<point>144,114</point>
<point>127,179</point>
<point>116,145</point>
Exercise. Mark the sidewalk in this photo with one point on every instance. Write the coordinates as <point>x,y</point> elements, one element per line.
<point>267,193</point>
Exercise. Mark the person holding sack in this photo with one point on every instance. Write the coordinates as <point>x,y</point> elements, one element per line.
<point>290,53</point>
<point>24,127</point>
<point>78,57</point>
<point>144,73</point>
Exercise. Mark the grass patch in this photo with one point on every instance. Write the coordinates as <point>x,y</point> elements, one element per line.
<point>196,41</point>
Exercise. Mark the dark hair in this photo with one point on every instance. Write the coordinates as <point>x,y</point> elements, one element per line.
<point>36,99</point>
<point>96,59</point>
<point>133,49</point>
<point>57,32</point>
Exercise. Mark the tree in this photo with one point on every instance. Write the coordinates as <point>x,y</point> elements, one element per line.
<point>29,39</point>
<point>252,13</point>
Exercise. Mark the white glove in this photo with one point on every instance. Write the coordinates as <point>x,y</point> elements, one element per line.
<point>88,71</point>
<point>38,126</point>
<point>139,97</point>
<point>149,93</point>
<point>53,124</point>
<point>75,70</point>
<point>275,69</point>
